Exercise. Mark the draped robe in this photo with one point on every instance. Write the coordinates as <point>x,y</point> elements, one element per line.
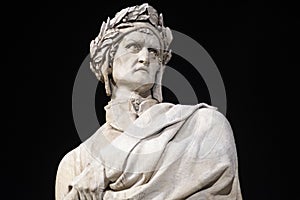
<point>161,151</point>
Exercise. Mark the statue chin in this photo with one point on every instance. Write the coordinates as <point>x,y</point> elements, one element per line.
<point>140,86</point>
<point>144,88</point>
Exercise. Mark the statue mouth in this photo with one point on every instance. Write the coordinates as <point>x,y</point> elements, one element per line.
<point>142,68</point>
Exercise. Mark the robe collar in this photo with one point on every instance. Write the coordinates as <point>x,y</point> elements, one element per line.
<point>122,113</point>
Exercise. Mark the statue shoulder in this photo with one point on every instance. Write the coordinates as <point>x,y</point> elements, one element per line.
<point>215,132</point>
<point>211,113</point>
<point>66,172</point>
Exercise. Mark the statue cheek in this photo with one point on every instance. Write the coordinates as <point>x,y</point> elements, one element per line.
<point>155,68</point>
<point>126,60</point>
<point>116,64</point>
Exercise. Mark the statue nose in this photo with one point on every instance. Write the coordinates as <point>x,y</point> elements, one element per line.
<point>144,56</point>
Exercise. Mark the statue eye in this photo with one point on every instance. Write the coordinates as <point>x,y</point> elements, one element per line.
<point>153,51</point>
<point>134,47</point>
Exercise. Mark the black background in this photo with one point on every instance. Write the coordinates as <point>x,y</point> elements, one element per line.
<point>242,38</point>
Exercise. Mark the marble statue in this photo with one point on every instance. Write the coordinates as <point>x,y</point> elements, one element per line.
<point>147,149</point>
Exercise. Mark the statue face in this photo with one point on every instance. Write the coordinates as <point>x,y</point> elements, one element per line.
<point>136,61</point>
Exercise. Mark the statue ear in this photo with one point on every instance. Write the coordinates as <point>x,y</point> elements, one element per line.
<point>157,88</point>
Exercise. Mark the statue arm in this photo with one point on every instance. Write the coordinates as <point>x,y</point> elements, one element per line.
<point>79,176</point>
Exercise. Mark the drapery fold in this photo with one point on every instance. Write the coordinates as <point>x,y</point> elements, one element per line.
<point>169,152</point>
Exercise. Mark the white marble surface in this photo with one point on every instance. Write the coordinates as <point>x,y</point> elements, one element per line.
<point>147,149</point>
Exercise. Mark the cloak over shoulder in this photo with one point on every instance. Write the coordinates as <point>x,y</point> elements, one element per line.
<point>168,152</point>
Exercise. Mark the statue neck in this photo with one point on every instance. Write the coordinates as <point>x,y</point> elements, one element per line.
<point>124,93</point>
<point>121,112</point>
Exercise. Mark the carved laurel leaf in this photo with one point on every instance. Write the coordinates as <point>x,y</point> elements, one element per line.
<point>106,25</point>
<point>93,48</point>
<point>98,57</point>
<point>142,8</point>
<point>167,56</point>
<point>131,8</point>
<point>119,16</point>
<point>169,36</point>
<point>101,33</point>
<point>143,17</point>
<point>125,25</point>
<point>92,67</point>
<point>112,22</point>
<point>98,66</point>
<point>161,19</point>
<point>153,15</point>
<point>153,19</point>
<point>96,41</point>
<point>110,35</point>
<point>106,42</point>
<point>132,15</point>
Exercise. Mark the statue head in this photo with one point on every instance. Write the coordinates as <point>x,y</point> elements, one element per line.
<point>136,32</point>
